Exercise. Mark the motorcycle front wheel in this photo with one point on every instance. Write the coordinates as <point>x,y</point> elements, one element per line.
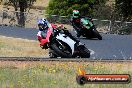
<point>84,52</point>
<point>97,34</point>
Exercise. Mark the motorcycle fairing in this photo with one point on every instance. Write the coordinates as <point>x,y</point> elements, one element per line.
<point>86,23</point>
<point>67,40</point>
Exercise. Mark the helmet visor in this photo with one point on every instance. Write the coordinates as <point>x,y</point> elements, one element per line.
<point>76,14</point>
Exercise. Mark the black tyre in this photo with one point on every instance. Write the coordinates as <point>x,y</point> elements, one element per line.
<point>85,53</point>
<point>81,80</point>
<point>51,54</point>
<point>60,52</point>
<point>97,35</point>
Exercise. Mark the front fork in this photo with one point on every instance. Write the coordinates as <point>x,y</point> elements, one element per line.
<point>77,49</point>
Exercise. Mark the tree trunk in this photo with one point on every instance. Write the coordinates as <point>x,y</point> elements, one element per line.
<point>22,5</point>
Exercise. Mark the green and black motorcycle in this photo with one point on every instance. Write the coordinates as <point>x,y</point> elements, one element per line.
<point>88,29</point>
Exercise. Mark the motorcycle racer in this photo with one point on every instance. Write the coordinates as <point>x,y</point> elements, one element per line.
<point>75,20</point>
<point>43,33</point>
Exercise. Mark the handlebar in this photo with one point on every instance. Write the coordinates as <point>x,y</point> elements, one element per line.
<point>61,30</point>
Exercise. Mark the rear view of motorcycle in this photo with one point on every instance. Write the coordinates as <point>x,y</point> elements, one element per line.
<point>88,29</point>
<point>61,45</point>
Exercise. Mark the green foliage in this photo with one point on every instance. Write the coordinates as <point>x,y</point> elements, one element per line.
<point>124,7</point>
<point>66,7</point>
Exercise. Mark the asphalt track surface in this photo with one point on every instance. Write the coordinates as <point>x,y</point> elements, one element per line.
<point>112,47</point>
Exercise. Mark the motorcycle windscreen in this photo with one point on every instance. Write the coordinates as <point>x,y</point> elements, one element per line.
<point>88,24</point>
<point>67,40</point>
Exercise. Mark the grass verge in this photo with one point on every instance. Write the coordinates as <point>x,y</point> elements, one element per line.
<point>57,74</point>
<point>16,47</point>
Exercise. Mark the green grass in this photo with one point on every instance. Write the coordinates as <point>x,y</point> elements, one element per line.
<point>54,74</point>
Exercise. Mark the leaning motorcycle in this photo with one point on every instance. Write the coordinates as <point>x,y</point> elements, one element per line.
<point>61,45</point>
<point>88,29</point>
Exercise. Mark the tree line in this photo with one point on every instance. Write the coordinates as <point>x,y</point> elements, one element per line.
<point>121,9</point>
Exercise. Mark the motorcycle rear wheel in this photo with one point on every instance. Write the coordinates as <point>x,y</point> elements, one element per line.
<point>51,54</point>
<point>60,53</point>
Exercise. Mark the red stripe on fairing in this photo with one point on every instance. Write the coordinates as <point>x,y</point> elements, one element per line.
<point>53,25</point>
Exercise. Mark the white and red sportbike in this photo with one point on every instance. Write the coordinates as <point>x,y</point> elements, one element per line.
<point>61,45</point>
